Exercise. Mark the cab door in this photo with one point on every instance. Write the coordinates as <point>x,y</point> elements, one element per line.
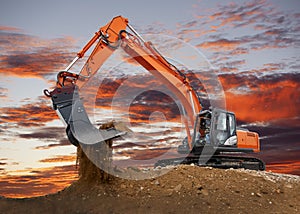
<point>223,126</point>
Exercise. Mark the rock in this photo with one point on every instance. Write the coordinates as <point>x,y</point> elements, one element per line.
<point>204,192</point>
<point>177,188</point>
<point>201,190</point>
<point>289,186</point>
<point>156,182</point>
<point>190,176</point>
<point>170,192</point>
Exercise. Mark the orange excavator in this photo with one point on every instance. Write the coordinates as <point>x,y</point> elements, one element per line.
<point>214,140</point>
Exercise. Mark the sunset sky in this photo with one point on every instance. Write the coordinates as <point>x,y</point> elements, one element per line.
<point>253,44</point>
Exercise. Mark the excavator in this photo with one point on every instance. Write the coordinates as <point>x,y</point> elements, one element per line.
<point>215,139</point>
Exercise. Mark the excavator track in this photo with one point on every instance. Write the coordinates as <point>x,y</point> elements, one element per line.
<point>216,161</point>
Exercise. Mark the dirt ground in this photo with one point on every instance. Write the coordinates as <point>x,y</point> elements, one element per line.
<point>184,189</point>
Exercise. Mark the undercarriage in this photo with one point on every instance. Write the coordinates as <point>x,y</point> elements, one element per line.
<point>216,161</point>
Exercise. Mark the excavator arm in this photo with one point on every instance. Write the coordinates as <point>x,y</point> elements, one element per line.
<point>65,96</point>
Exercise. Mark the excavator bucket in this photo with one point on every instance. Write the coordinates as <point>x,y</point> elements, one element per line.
<point>80,130</point>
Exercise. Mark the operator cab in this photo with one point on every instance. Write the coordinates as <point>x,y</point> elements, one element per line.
<point>223,129</point>
<point>215,127</point>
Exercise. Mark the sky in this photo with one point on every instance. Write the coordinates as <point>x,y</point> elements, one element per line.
<point>253,46</point>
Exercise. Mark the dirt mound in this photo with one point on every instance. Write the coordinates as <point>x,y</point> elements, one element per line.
<point>183,189</point>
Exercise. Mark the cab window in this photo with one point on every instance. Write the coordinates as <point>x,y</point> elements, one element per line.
<point>221,122</point>
<point>231,122</point>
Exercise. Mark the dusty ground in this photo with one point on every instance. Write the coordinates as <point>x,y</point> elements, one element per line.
<point>185,189</point>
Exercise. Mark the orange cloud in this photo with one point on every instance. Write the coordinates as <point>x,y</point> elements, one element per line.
<point>39,182</point>
<point>23,55</point>
<point>264,106</point>
<point>220,45</point>
<point>35,114</point>
<point>9,28</point>
<point>59,159</point>
<point>34,65</point>
<point>268,98</point>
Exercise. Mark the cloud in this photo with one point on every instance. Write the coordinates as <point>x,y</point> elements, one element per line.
<point>44,133</point>
<point>2,163</point>
<point>221,44</point>
<point>10,29</point>
<point>41,64</point>
<point>62,142</point>
<point>238,15</point>
<point>38,182</point>
<point>24,55</point>
<point>239,28</point>
<point>47,135</point>
<point>59,159</point>
<point>34,114</point>
<point>267,98</point>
